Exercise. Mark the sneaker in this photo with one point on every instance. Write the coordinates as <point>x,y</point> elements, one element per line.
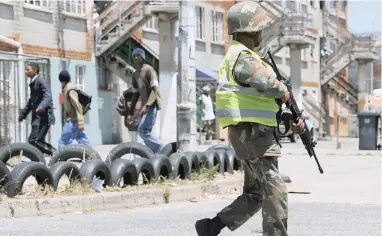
<point>205,227</point>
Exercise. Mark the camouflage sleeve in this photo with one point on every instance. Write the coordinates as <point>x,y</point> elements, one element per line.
<point>251,71</point>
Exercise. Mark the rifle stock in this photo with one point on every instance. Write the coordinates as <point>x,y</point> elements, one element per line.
<point>308,141</point>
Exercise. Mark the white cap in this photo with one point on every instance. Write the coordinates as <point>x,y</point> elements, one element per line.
<point>206,88</point>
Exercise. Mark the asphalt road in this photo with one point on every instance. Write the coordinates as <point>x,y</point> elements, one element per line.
<point>344,201</point>
<point>313,219</point>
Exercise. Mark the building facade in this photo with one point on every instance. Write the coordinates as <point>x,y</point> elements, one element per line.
<point>58,35</point>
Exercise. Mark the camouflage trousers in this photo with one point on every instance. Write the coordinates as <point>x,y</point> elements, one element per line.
<point>263,188</point>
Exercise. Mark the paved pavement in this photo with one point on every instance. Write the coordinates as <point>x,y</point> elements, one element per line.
<point>344,201</point>
<point>313,219</point>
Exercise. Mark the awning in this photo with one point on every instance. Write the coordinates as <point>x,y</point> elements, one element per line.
<point>204,74</point>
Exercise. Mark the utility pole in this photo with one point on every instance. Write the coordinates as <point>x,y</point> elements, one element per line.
<point>186,94</point>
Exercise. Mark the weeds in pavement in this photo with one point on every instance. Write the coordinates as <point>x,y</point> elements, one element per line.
<point>204,174</point>
<point>83,187</point>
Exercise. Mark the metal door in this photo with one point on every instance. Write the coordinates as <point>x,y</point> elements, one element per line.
<point>14,95</point>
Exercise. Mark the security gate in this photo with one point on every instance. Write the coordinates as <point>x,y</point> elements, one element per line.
<point>14,95</point>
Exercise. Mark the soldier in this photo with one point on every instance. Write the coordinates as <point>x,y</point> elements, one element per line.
<point>246,104</point>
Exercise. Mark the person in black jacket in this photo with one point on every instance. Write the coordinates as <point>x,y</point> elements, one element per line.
<point>41,105</point>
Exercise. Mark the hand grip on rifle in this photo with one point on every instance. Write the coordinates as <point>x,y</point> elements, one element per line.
<point>308,141</point>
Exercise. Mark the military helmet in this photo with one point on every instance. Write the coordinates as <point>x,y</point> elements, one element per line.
<point>247,16</point>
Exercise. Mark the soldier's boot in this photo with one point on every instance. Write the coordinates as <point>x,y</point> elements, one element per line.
<point>209,227</point>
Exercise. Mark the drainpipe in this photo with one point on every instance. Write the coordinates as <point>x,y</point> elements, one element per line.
<point>13,43</point>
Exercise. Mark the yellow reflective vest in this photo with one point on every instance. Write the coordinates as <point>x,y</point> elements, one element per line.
<point>235,103</point>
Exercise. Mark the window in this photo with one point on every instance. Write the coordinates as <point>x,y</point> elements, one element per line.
<point>153,23</point>
<point>333,4</point>
<point>74,6</point>
<point>312,3</point>
<point>343,4</point>
<point>291,5</point>
<point>304,54</point>
<point>79,80</point>
<point>217,26</point>
<point>200,21</point>
<point>39,3</point>
<point>304,8</point>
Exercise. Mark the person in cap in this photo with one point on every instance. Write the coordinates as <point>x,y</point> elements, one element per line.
<point>246,105</point>
<point>145,86</point>
<point>72,114</point>
<point>40,104</point>
<point>208,109</point>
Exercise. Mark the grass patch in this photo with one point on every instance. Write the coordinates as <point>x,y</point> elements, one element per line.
<point>204,174</point>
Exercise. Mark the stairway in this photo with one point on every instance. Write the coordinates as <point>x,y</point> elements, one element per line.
<point>122,18</point>
<point>344,90</point>
<point>287,27</point>
<point>310,107</point>
<point>348,48</point>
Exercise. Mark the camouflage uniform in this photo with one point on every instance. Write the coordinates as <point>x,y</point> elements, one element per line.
<point>254,144</point>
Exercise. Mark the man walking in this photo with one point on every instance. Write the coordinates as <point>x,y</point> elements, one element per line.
<point>72,114</point>
<point>41,105</point>
<point>246,104</point>
<point>145,86</point>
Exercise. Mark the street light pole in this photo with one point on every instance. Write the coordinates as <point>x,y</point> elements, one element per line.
<point>186,94</point>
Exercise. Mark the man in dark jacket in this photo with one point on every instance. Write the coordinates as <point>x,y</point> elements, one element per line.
<point>41,105</point>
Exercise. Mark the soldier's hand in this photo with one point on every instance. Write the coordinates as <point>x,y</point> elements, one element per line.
<point>298,127</point>
<point>286,98</point>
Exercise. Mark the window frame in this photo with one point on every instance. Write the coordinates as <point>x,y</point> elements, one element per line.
<point>77,5</point>
<point>217,26</point>
<point>200,29</point>
<point>152,25</point>
<point>333,4</point>
<point>79,78</point>
<point>342,4</point>
<point>33,3</point>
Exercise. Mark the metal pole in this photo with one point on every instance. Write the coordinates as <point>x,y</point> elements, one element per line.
<point>338,144</point>
<point>186,94</point>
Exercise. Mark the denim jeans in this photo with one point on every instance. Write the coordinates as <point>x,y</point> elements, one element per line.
<point>145,128</point>
<point>70,133</point>
<point>136,137</point>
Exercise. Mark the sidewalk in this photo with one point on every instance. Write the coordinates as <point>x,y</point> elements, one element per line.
<point>349,146</point>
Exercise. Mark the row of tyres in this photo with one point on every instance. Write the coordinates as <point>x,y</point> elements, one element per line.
<point>167,164</point>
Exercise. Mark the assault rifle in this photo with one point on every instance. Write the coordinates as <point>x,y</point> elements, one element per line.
<point>308,141</point>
